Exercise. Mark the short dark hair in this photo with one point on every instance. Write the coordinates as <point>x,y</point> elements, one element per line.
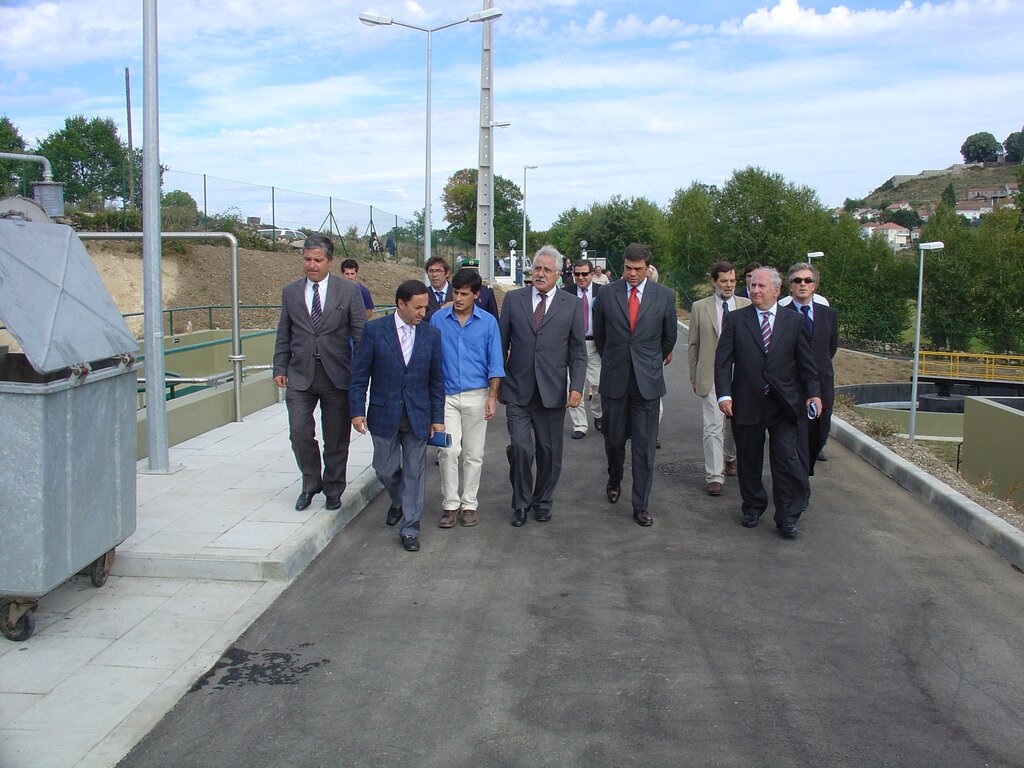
<point>467,277</point>
<point>350,264</point>
<point>437,260</point>
<point>585,263</point>
<point>751,267</point>
<point>718,268</point>
<point>317,242</point>
<point>637,252</point>
<point>408,289</point>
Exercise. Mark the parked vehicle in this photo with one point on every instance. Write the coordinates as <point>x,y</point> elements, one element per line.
<point>284,235</point>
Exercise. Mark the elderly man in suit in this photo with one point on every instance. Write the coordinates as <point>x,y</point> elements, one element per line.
<point>400,359</point>
<point>767,381</point>
<point>823,328</point>
<point>322,318</point>
<point>545,354</point>
<point>635,331</point>
<point>705,327</point>
<point>586,291</point>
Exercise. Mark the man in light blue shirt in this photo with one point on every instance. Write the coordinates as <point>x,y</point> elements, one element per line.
<point>473,369</point>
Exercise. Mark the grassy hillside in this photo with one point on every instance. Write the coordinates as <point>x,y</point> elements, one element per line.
<point>927,190</point>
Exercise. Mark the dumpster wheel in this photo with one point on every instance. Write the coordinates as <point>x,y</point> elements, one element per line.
<point>16,620</point>
<point>100,568</point>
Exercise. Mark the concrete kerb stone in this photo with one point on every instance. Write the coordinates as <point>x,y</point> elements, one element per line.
<point>991,530</point>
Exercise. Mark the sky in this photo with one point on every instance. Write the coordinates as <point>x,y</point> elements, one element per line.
<point>612,97</point>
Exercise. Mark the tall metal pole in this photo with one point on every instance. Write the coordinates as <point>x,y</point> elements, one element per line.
<point>485,171</point>
<point>426,194</point>
<point>131,142</point>
<point>156,407</point>
<point>922,247</point>
<point>523,251</point>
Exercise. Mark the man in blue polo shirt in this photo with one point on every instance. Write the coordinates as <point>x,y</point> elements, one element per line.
<point>473,368</point>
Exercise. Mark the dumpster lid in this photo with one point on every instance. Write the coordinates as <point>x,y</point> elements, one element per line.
<point>53,301</point>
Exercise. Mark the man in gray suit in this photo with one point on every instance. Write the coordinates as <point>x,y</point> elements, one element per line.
<point>322,318</point>
<point>542,340</point>
<point>635,330</point>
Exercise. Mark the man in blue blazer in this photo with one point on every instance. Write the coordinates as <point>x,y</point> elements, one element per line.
<point>766,380</point>
<point>400,359</point>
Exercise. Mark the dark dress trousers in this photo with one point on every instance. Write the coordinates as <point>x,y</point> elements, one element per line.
<point>538,367</point>
<point>743,371</point>
<point>824,344</point>
<point>318,364</point>
<point>633,377</point>
<point>404,401</point>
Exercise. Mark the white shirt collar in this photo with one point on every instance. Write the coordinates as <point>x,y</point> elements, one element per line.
<point>400,323</point>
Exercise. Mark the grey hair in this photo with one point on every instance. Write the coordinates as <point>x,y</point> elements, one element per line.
<point>550,250</point>
<point>773,275</point>
<point>801,266</point>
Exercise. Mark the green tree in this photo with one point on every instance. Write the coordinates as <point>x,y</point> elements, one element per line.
<point>611,226</point>
<point>689,223</point>
<point>905,218</point>
<point>1014,146</point>
<point>459,197</point>
<point>852,204</point>
<point>948,316</point>
<point>179,211</point>
<point>998,243</point>
<point>565,232</point>
<point>90,159</point>
<point>10,141</point>
<point>981,148</point>
<point>508,212</point>
<point>949,195</point>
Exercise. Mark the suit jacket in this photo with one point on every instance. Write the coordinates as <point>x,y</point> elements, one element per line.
<point>487,301</point>
<point>704,333</point>
<point>393,384</point>
<point>645,348</point>
<point>575,291</point>
<point>433,305</point>
<point>298,343</point>
<point>542,361</point>
<point>824,344</point>
<point>742,367</point>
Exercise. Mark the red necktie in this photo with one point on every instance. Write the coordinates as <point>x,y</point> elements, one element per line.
<point>634,308</point>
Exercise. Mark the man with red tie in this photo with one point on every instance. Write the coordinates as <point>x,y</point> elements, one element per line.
<point>585,289</point>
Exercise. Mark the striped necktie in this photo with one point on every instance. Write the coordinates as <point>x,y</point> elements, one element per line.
<point>316,310</point>
<point>766,330</point>
<point>407,340</point>
<point>538,313</point>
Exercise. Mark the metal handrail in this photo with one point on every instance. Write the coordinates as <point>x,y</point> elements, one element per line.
<point>975,367</point>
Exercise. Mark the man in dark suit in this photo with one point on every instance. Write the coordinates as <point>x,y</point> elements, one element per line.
<point>586,291</point>
<point>635,330</point>
<point>766,380</point>
<point>322,317</point>
<point>542,340</point>
<point>823,328</point>
<point>400,359</point>
<point>440,290</point>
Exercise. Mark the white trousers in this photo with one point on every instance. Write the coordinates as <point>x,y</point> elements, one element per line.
<point>579,413</point>
<point>719,445</point>
<point>464,421</point>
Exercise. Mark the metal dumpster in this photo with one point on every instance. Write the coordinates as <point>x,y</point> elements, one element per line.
<point>67,419</point>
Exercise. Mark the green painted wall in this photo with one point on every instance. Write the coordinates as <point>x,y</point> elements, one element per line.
<point>994,445</point>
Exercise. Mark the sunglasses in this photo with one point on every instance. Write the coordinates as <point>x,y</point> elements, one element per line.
<point>581,274</point>
<point>798,280</point>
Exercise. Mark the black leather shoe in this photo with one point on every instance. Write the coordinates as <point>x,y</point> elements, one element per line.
<point>750,520</point>
<point>394,514</point>
<point>643,517</point>
<point>542,515</point>
<point>333,502</point>
<point>518,518</point>
<point>411,543</point>
<point>305,499</point>
<point>821,455</point>
<point>598,424</point>
<point>577,435</point>
<point>613,492</point>
<point>788,530</point>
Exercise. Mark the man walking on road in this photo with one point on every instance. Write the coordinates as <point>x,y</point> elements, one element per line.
<point>705,327</point>
<point>542,341</point>
<point>635,329</point>
<point>586,291</point>
<point>321,320</point>
<point>400,361</point>
<point>473,369</point>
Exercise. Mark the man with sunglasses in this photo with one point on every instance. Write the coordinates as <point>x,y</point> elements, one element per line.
<point>585,289</point>
<point>820,322</point>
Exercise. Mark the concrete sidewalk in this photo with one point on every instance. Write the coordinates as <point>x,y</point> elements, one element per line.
<point>215,544</point>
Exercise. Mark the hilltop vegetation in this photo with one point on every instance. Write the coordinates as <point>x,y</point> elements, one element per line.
<point>925,189</point>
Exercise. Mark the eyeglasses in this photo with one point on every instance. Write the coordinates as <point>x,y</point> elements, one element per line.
<point>581,274</point>
<point>798,280</point>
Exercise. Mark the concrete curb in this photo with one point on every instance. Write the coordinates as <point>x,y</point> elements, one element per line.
<point>991,530</point>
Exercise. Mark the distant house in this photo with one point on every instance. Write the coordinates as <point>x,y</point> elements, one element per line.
<point>924,214</point>
<point>901,206</point>
<point>867,214</point>
<point>974,209</point>
<point>895,236</point>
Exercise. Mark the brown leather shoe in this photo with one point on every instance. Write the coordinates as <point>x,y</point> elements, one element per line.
<point>714,489</point>
<point>730,468</point>
<point>448,518</point>
<point>469,517</point>
<point>643,517</point>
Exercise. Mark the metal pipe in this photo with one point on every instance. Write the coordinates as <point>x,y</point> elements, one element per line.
<point>236,357</point>
<point>47,168</point>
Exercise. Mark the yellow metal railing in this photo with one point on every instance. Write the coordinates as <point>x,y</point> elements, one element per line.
<point>963,365</point>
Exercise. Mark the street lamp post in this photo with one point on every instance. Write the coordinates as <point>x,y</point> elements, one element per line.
<point>812,255</point>
<point>376,20</point>
<point>519,280</point>
<point>935,246</point>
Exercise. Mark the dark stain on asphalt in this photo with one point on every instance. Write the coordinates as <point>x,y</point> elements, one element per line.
<point>239,667</point>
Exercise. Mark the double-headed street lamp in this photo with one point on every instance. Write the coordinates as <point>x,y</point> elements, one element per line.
<point>935,246</point>
<point>376,20</point>
<point>525,169</point>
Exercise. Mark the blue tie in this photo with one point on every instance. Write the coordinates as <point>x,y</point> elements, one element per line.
<point>807,319</point>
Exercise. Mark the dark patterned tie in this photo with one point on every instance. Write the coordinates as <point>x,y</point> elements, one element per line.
<point>316,310</point>
<point>807,319</point>
<point>440,297</point>
<point>766,330</point>
<point>586,315</point>
<point>538,313</point>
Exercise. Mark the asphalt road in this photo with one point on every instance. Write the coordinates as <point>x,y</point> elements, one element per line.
<point>882,636</point>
